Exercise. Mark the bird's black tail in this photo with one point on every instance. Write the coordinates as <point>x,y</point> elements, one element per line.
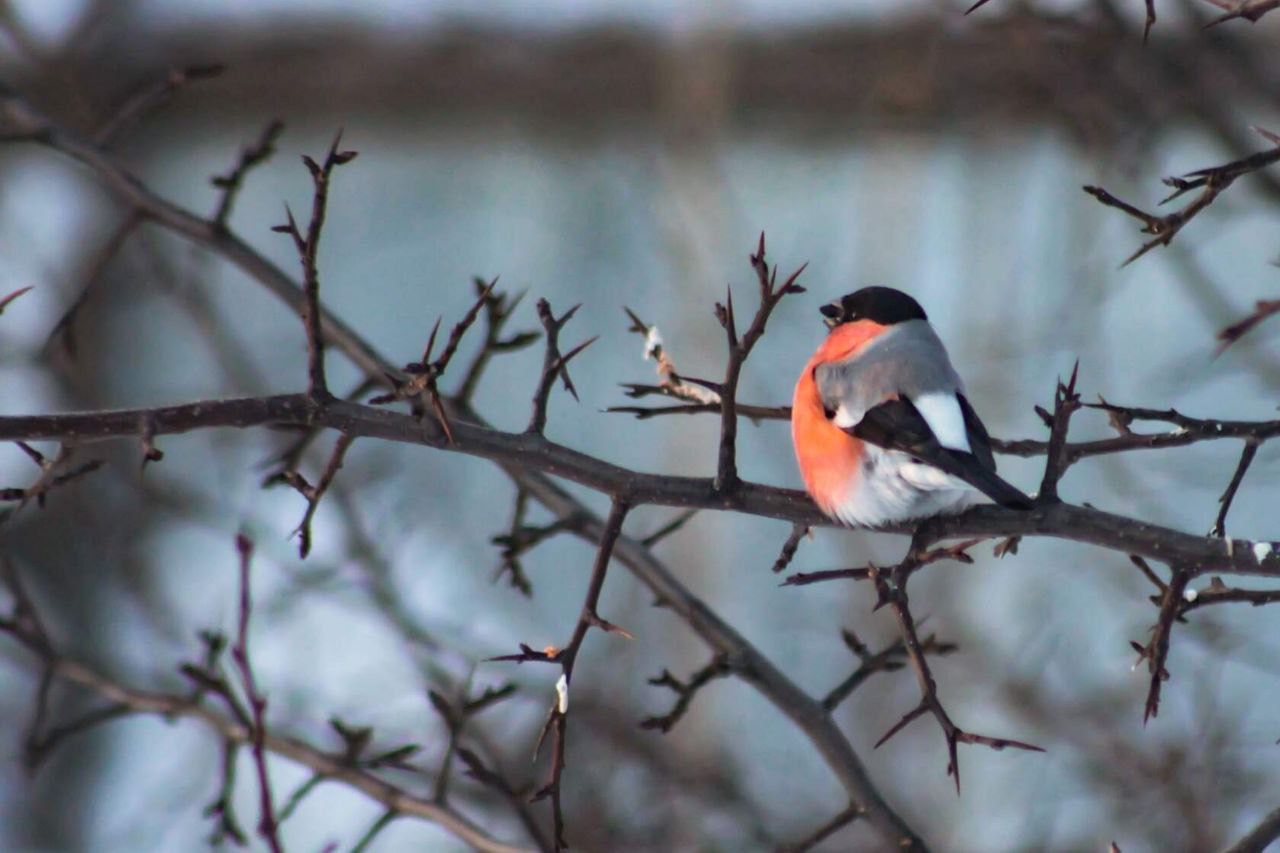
<point>990,484</point>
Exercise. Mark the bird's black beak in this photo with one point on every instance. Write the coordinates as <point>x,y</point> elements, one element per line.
<point>832,312</point>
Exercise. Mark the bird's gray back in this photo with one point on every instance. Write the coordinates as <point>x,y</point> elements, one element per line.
<point>907,360</point>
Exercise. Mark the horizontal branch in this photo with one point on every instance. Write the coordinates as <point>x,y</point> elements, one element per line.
<point>525,451</point>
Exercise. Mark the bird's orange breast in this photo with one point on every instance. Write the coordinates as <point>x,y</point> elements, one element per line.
<point>828,456</point>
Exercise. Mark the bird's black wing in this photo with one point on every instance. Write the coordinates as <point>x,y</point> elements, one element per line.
<point>898,425</point>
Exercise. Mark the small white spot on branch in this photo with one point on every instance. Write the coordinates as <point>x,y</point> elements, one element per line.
<point>562,694</point>
<point>1261,550</point>
<point>653,343</point>
<point>1190,594</point>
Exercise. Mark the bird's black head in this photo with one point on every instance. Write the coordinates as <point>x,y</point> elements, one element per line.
<point>882,305</point>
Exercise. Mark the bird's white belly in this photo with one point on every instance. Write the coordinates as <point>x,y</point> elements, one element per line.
<point>891,486</point>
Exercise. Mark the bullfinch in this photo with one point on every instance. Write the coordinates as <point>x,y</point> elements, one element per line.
<point>882,429</point>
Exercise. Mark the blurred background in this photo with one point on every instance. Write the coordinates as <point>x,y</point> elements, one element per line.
<point>629,154</point>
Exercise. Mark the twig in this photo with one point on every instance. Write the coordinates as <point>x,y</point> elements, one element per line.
<point>1250,10</point>
<point>888,659</point>
<point>1156,652</point>
<point>498,308</point>
<point>831,827</point>
<point>1262,309</point>
<point>223,805</point>
<point>7,300</point>
<point>719,667</point>
<point>1219,593</point>
<point>313,494</point>
<point>49,478</point>
<point>425,374</point>
<point>534,457</point>
<point>1260,837</point>
<point>151,96</point>
<point>739,348</point>
<point>566,657</point>
<point>915,559</point>
<point>1065,403</point>
<point>553,364</point>
<point>1250,450</point>
<point>267,826</point>
<point>789,547</point>
<point>891,586</point>
<point>378,825</point>
<point>1212,181</point>
<point>308,248</point>
<point>253,155</point>
<point>522,538</point>
<point>669,528</point>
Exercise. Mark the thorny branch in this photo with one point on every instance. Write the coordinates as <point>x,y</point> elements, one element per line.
<point>566,657</point>
<point>720,667</point>
<point>1262,309</point>
<point>527,457</point>
<point>553,364</point>
<point>891,588</point>
<point>267,825</point>
<point>23,623</point>
<point>308,247</point>
<point>767,678</point>
<point>739,348</point>
<point>1211,182</point>
<point>888,659</point>
<point>313,494</point>
<point>256,154</point>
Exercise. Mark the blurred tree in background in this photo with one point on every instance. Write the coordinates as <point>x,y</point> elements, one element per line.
<point>289,603</point>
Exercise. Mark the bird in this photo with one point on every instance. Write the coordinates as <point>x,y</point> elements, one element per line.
<point>883,431</point>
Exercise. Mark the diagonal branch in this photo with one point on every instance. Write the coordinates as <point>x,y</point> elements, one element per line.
<point>149,97</point>
<point>253,155</point>
<point>1211,181</point>
<point>720,667</point>
<point>1250,450</point>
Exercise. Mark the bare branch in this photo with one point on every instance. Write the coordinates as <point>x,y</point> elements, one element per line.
<point>1260,837</point>
<point>770,295</point>
<point>7,300</point>
<point>313,494</point>
<point>553,364</point>
<point>837,823</point>
<point>1212,180</point>
<point>1065,402</point>
<point>308,248</point>
<point>891,585</point>
<point>1262,309</point>
<point>1156,652</point>
<point>267,826</point>
<point>234,731</point>
<point>253,155</point>
<point>1246,457</point>
<point>888,659</point>
<point>150,97</point>
<point>1250,10</point>
<point>720,667</point>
